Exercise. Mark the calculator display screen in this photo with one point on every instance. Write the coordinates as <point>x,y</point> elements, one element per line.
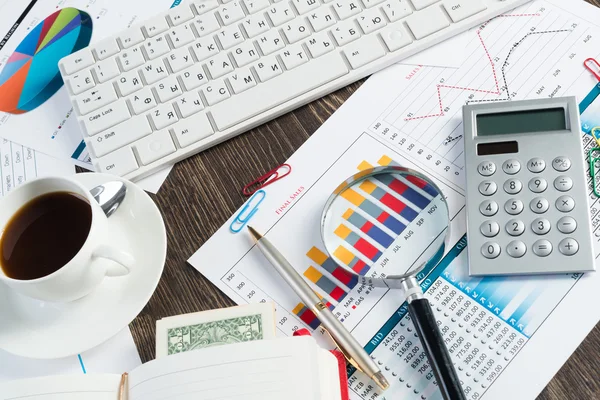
<point>528,121</point>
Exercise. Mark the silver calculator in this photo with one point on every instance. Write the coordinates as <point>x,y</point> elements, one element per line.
<point>527,208</point>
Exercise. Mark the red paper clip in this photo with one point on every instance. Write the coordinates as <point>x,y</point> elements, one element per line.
<point>267,179</point>
<point>592,65</point>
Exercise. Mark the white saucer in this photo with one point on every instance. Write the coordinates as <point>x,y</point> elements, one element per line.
<point>36,329</point>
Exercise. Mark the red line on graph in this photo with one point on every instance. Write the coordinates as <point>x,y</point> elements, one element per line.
<point>489,57</point>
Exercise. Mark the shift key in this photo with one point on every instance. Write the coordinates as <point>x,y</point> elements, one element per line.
<point>105,117</point>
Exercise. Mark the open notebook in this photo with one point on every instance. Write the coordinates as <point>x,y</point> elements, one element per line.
<point>291,368</point>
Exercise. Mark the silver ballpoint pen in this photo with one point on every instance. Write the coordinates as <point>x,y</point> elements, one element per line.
<point>351,349</point>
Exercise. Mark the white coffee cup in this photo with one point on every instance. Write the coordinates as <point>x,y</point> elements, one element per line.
<point>88,267</point>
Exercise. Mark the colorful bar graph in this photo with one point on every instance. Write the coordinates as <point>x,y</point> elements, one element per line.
<point>420,183</point>
<point>330,266</point>
<point>348,258</point>
<point>316,277</point>
<point>404,190</point>
<point>390,201</point>
<point>306,315</point>
<point>360,244</point>
<point>368,227</point>
<point>374,211</point>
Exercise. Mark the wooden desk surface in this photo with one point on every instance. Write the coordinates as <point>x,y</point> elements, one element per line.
<point>204,191</point>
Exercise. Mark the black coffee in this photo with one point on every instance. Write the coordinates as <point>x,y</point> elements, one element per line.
<point>44,235</point>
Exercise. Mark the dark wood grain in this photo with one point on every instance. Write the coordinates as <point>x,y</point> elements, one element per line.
<point>203,191</point>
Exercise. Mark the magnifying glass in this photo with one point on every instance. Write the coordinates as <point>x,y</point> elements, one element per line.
<point>384,225</point>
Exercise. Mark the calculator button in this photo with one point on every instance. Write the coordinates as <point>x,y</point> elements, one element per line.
<point>516,249</point>
<point>511,167</point>
<point>513,206</point>
<point>568,246</point>
<point>488,208</point>
<point>513,186</point>
<point>566,225</point>
<point>515,227</point>
<point>540,226</point>
<point>565,203</point>
<point>563,183</point>
<point>490,250</point>
<point>542,248</point>
<point>488,188</point>
<point>489,228</point>
<point>486,168</point>
<point>561,164</point>
<point>539,205</point>
<point>537,185</point>
<point>536,165</point>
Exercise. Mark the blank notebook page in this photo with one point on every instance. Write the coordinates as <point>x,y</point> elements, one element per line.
<point>76,387</point>
<point>262,370</point>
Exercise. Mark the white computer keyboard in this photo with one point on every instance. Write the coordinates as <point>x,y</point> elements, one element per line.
<point>208,70</point>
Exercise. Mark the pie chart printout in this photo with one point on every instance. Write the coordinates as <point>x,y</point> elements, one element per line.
<point>31,75</point>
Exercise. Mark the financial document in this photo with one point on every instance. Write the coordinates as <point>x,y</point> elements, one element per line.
<point>508,336</point>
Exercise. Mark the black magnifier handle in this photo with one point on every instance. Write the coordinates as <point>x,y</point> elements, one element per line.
<point>435,348</point>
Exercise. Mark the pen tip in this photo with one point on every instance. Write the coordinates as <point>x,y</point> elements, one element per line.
<point>381,381</point>
<point>255,235</point>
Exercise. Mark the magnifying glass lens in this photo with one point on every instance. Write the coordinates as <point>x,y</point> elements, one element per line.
<point>386,223</point>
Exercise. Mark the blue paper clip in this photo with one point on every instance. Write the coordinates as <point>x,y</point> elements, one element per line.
<point>244,216</point>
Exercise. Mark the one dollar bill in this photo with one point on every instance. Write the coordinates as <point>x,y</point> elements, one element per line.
<point>188,332</point>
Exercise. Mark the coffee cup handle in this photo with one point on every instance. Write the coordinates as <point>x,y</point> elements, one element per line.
<point>123,261</point>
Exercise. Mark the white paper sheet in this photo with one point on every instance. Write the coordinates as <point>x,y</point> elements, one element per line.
<point>450,53</point>
<point>508,336</point>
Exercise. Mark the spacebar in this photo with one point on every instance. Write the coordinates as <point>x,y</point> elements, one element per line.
<point>278,90</point>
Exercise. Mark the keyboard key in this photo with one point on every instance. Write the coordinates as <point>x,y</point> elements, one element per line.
<point>346,8</point>
<point>281,13</point>
<point>120,135</point>
<point>206,24</point>
<point>106,70</point>
<point>461,9</point>
<point>420,4</point>
<point>371,20</point>
<point>255,25</point>
<point>304,6</point>
<point>345,32</point>
<point>81,81</point>
<point>488,188</point>
<point>270,42</point>
<point>192,130</point>
<point>396,9</point>
<point>180,59</point>
<point>193,77</point>
<point>219,65</point>
<point>490,250</point>
<point>156,47</point>
<point>371,3</point>
<point>202,6</point>
<point>539,205</point>
<point>319,44</point>
<point>230,36</point>
<point>155,26</point>
<point>105,117</point>
<point>77,61</point>
<point>180,36</point>
<point>515,227</point>
<point>168,89</point>
<point>95,98</point>
<point>154,71</point>
<point>536,165</point>
<point>154,147</point>
<point>128,83</point>
<point>204,48</point>
<point>565,204</point>
<point>540,226</point>
<point>120,162</point>
<point>363,51</point>
<point>395,37</point>
<point>296,30</point>
<point>163,116</point>
<point>231,12</point>
<point>189,104</point>
<point>516,249</point>
<point>106,48</point>
<point>427,22</point>
<point>511,167</point>
<point>488,208</point>
<point>267,68</point>
<point>293,56</point>
<point>245,53</point>
<point>269,94</point>
<point>566,225</point>
<point>241,80</point>
<point>542,248</point>
<point>179,15</point>
<point>130,59</point>
<point>568,246</point>
<point>321,19</point>
<point>215,91</point>
<point>256,5</point>
<point>131,37</point>
<point>142,101</point>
